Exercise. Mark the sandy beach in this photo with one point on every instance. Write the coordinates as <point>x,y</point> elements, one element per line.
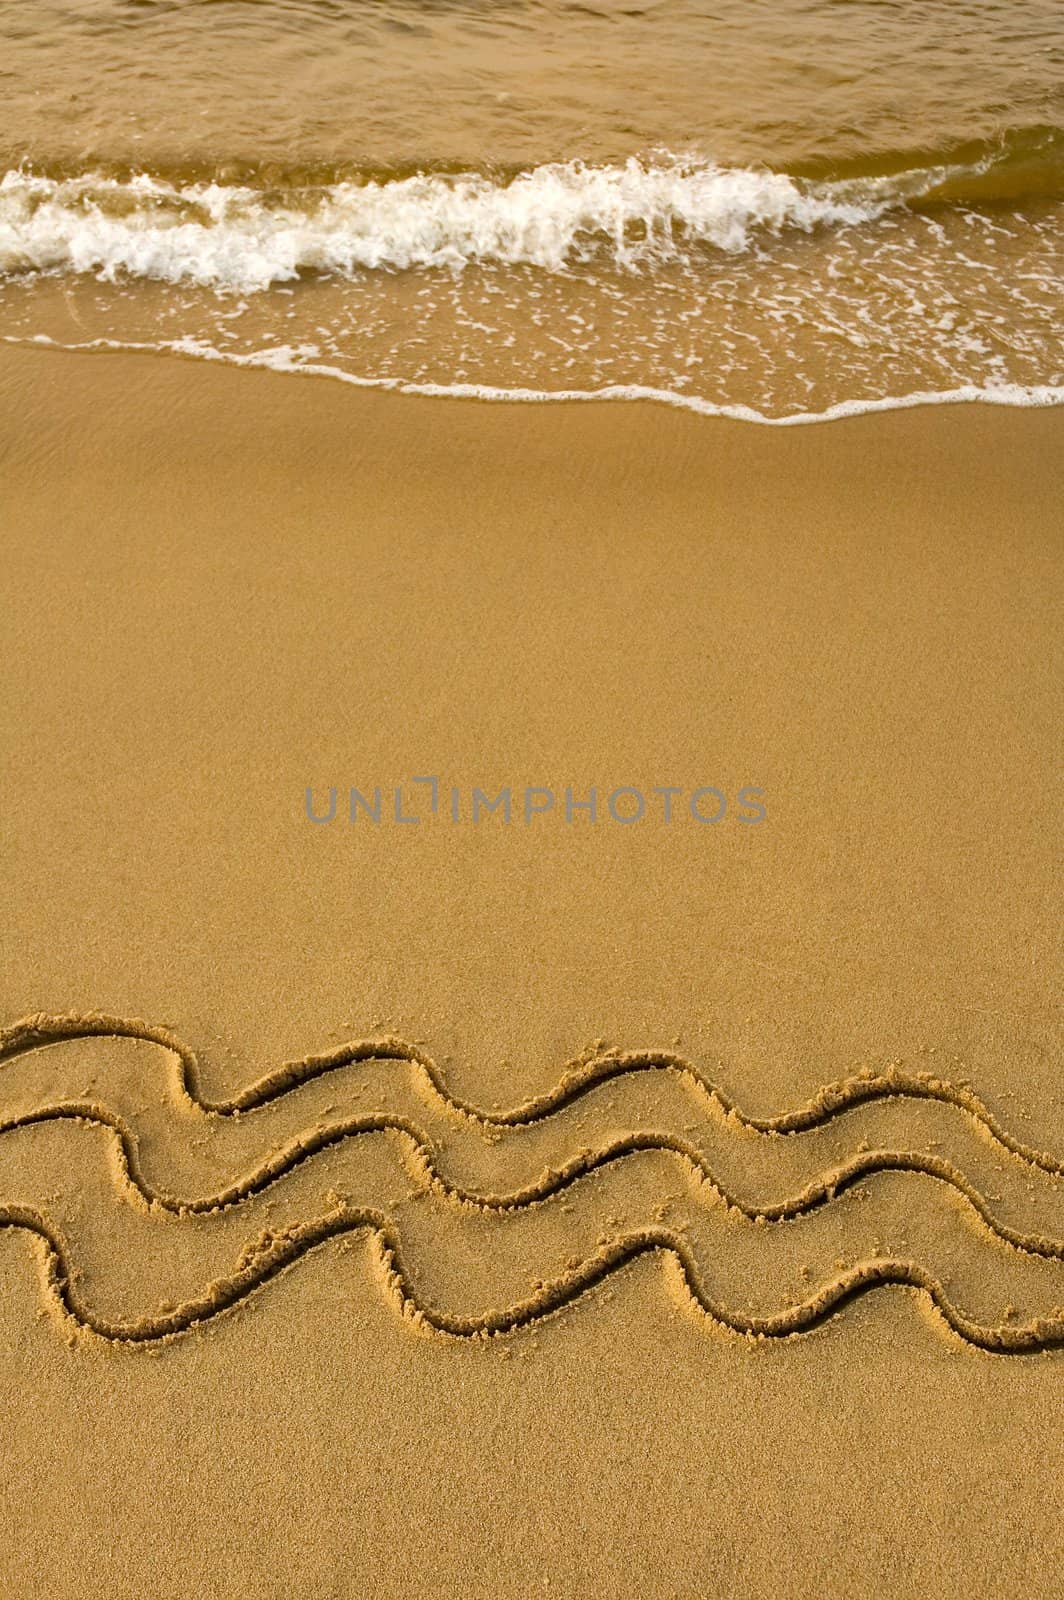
<point>553,1073</point>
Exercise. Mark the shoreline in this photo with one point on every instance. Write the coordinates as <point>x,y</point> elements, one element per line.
<point>1035,397</point>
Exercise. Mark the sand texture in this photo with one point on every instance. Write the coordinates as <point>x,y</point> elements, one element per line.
<point>492,1208</point>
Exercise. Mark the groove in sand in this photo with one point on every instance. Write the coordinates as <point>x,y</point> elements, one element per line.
<point>35,1032</point>
<point>577,1078</point>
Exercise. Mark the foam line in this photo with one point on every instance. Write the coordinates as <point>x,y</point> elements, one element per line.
<point>284,359</point>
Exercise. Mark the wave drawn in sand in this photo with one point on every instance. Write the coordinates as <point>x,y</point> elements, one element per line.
<point>291,1244</point>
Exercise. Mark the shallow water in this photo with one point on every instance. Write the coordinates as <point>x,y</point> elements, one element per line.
<point>777,209</point>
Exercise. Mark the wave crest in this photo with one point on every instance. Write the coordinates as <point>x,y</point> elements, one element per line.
<point>551,217</point>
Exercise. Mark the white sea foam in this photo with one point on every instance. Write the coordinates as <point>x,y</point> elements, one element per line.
<point>299,361</point>
<point>235,237</point>
<point>679,282</point>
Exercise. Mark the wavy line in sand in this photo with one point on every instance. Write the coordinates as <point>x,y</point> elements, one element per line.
<point>821,1191</point>
<point>1039,1334</point>
<point>578,1077</point>
<point>1036,1335</point>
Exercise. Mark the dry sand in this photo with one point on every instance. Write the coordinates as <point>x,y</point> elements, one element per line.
<point>221,587</point>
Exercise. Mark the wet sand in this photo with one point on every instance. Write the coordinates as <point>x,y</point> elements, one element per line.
<point>223,587</point>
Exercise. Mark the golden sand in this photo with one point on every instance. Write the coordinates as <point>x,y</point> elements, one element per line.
<point>659,1209</point>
